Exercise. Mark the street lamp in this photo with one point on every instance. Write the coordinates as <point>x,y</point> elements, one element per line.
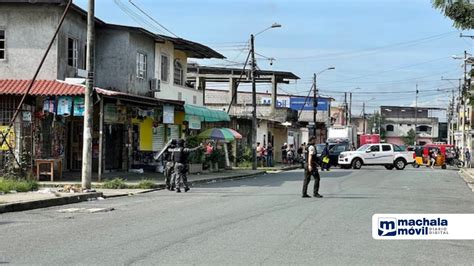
<point>315,97</point>
<point>254,94</point>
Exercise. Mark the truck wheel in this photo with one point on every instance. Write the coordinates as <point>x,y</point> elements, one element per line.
<point>357,164</point>
<point>389,166</point>
<point>415,165</point>
<point>400,164</point>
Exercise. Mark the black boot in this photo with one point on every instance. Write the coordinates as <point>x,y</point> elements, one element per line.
<point>306,196</point>
<point>178,190</point>
<point>186,189</point>
<point>317,195</point>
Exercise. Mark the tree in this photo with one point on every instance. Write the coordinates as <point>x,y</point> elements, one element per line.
<point>460,11</point>
<point>409,139</point>
<point>374,125</point>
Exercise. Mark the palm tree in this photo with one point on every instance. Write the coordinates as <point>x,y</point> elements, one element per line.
<point>460,11</point>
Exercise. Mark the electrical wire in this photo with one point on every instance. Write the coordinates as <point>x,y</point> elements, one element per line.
<point>152,19</point>
<point>373,50</point>
<point>136,17</point>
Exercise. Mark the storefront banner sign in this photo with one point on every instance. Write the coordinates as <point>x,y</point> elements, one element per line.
<point>281,102</point>
<point>26,116</point>
<point>49,105</point>
<point>168,114</point>
<point>78,106</point>
<point>194,122</point>
<point>64,105</point>
<point>10,138</point>
<point>110,114</point>
<point>301,103</point>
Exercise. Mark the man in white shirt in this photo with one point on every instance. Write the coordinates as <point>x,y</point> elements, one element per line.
<point>311,170</point>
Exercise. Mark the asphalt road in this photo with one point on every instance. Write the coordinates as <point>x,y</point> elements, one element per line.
<point>261,220</point>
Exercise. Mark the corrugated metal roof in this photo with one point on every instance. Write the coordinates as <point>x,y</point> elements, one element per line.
<point>40,88</point>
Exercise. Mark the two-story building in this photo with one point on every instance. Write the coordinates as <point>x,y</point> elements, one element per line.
<point>141,94</point>
<point>398,120</point>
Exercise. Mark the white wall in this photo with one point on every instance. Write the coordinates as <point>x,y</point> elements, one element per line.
<point>168,89</point>
<point>401,128</point>
<point>262,131</point>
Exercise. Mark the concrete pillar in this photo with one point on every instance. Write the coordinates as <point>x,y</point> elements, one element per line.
<point>274,94</point>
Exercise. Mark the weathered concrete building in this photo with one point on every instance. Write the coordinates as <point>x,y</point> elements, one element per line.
<point>398,120</point>
<point>140,80</point>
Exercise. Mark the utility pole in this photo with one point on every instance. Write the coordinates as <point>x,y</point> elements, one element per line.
<point>363,117</point>
<point>416,113</point>
<point>350,108</point>
<point>254,105</point>
<point>463,102</point>
<point>88,108</point>
<point>345,108</point>
<point>453,107</point>
<point>315,104</point>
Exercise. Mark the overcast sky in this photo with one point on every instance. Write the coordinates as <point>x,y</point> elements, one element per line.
<point>384,48</point>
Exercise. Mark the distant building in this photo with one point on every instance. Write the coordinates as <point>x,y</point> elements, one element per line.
<point>398,120</point>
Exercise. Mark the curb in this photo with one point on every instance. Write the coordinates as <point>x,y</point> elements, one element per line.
<point>468,178</point>
<point>158,187</point>
<point>217,179</point>
<point>36,204</point>
<point>30,205</point>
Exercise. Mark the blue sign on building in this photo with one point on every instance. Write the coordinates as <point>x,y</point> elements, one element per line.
<point>298,103</point>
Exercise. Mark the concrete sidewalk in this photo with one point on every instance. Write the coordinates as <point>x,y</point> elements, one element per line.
<point>468,175</point>
<point>49,194</point>
<point>133,179</point>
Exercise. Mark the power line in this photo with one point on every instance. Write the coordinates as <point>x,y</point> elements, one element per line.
<point>136,17</point>
<point>373,50</point>
<point>152,19</point>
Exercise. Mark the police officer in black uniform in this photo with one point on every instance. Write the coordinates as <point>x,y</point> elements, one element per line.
<point>311,170</point>
<point>180,158</point>
<point>169,165</point>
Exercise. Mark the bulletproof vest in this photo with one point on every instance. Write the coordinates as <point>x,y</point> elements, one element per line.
<point>180,156</point>
<point>168,153</point>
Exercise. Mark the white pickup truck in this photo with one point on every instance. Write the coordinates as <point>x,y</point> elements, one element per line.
<point>385,154</point>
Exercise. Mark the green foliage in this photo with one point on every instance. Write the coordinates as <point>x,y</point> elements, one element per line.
<point>460,11</point>
<point>146,184</point>
<point>197,156</point>
<point>116,183</point>
<point>245,164</point>
<point>409,139</point>
<point>246,155</point>
<point>17,184</point>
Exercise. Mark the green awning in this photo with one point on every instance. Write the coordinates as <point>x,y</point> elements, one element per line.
<point>206,114</point>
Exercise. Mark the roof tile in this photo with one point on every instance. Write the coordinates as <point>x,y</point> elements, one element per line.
<point>40,88</point>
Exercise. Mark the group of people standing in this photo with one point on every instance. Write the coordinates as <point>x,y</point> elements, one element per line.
<point>265,154</point>
<point>176,166</point>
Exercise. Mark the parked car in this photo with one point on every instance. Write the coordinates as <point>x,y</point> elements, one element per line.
<point>389,155</point>
<point>335,150</point>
